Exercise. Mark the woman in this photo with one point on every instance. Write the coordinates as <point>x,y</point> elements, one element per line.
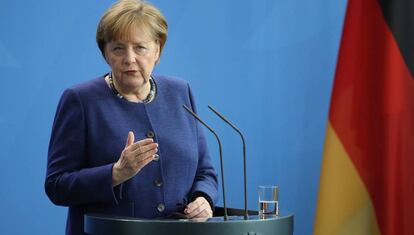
<point>95,164</point>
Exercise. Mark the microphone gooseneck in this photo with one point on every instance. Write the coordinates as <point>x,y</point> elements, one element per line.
<point>246,215</point>
<point>221,156</point>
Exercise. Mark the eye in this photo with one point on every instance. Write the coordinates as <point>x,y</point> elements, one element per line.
<point>141,49</point>
<point>117,48</point>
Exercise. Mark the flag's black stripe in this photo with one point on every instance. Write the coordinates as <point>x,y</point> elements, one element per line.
<point>399,15</point>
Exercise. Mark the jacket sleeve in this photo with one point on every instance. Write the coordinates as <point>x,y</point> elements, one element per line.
<point>69,179</point>
<point>205,182</point>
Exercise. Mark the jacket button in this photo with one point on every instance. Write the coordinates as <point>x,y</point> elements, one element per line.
<point>156,157</point>
<point>158,183</point>
<point>161,207</point>
<point>150,134</point>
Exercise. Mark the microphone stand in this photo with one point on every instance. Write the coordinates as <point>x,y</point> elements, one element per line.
<point>221,157</point>
<point>246,215</point>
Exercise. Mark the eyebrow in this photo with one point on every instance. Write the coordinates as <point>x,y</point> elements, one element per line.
<point>134,43</point>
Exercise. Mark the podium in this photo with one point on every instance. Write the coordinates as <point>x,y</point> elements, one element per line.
<point>236,224</point>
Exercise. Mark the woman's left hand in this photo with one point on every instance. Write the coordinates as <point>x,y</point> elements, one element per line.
<point>199,208</point>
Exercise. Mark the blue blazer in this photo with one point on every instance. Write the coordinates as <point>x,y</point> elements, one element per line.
<point>88,135</point>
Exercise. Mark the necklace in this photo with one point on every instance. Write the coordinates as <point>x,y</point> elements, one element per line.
<point>148,99</point>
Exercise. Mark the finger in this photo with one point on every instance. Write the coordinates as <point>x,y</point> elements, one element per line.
<point>195,207</point>
<point>130,139</point>
<point>194,204</point>
<point>144,161</point>
<point>146,149</point>
<point>204,214</point>
<point>146,155</point>
<point>199,212</point>
<point>141,143</point>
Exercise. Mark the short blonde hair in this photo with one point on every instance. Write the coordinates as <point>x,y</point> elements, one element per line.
<point>119,20</point>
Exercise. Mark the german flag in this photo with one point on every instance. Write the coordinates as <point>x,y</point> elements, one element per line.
<point>367,176</point>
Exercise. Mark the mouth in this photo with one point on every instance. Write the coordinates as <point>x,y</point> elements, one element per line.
<point>131,72</point>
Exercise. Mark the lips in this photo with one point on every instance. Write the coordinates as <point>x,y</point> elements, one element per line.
<point>131,72</point>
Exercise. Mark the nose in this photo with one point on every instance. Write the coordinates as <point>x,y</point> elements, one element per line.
<point>130,56</point>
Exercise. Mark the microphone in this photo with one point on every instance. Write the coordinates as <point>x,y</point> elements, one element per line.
<point>221,156</point>
<point>246,215</point>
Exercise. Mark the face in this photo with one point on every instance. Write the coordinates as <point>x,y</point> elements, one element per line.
<point>133,60</point>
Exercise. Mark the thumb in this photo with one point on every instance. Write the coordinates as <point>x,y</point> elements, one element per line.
<point>130,139</point>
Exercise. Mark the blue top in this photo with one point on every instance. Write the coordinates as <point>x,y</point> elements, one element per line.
<point>88,135</point>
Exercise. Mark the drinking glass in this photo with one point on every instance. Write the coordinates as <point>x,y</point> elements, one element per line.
<point>268,201</point>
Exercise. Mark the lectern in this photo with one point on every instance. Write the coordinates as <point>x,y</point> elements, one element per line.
<point>104,225</point>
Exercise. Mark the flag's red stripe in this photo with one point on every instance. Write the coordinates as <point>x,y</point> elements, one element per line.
<point>372,111</point>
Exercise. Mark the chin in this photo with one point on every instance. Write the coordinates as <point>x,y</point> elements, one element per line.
<point>137,82</point>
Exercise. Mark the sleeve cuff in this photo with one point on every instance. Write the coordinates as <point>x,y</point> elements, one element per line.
<point>117,190</point>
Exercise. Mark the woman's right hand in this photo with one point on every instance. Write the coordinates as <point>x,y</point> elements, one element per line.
<point>133,158</point>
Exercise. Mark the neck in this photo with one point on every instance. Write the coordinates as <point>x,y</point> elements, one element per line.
<point>133,94</point>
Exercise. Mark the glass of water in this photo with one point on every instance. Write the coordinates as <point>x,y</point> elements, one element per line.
<point>268,201</point>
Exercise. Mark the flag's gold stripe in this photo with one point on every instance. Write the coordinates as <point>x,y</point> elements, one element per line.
<point>344,206</point>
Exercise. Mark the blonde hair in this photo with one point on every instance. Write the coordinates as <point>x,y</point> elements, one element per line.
<point>119,20</point>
